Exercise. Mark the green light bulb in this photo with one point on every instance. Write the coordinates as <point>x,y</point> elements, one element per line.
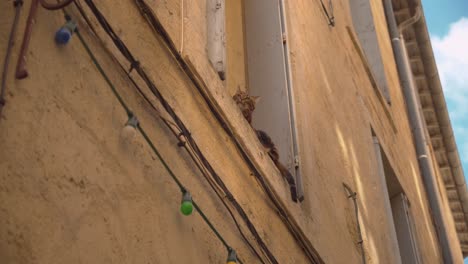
<point>186,206</point>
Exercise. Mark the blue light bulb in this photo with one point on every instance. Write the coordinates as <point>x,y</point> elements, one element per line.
<point>63,35</point>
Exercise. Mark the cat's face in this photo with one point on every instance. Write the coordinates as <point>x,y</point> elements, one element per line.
<point>246,103</point>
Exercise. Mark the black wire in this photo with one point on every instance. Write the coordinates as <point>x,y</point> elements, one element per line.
<point>152,146</point>
<point>172,127</point>
<point>198,163</point>
<point>196,160</point>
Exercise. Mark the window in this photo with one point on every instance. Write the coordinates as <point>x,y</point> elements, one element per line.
<point>269,77</point>
<point>398,207</point>
<point>363,22</point>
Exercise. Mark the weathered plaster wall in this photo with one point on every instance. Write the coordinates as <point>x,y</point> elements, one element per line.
<point>72,191</point>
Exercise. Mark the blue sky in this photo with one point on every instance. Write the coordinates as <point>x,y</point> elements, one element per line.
<point>447,22</point>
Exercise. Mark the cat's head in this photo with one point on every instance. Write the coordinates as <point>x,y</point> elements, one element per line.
<point>246,103</point>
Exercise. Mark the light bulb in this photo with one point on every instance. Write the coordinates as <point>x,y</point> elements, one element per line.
<point>128,133</point>
<point>63,35</point>
<point>186,206</point>
<point>232,257</point>
<point>129,130</point>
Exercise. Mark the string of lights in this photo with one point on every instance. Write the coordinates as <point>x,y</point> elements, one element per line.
<point>176,131</point>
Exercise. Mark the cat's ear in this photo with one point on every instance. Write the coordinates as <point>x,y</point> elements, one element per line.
<point>256,98</point>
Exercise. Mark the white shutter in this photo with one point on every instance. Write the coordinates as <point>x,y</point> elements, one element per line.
<point>268,73</point>
<point>405,233</point>
<point>216,35</point>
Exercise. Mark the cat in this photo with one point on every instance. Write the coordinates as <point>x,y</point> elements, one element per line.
<point>247,103</point>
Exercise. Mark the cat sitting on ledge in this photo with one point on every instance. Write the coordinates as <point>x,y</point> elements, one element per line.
<point>246,103</point>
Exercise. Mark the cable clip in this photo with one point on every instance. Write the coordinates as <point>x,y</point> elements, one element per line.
<point>135,64</point>
<point>182,141</point>
<point>132,120</point>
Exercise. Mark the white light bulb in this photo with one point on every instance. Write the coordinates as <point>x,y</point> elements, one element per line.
<point>128,134</point>
<point>129,130</point>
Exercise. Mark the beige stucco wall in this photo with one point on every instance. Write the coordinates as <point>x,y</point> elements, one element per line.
<point>72,191</point>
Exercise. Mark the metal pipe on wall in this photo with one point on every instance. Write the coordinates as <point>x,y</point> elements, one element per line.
<point>416,123</point>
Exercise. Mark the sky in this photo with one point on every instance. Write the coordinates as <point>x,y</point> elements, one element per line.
<point>447,21</point>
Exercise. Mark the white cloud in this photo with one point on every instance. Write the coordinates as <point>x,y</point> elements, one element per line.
<point>451,53</point>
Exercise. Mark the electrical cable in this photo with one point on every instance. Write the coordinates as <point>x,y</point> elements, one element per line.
<point>177,133</point>
<point>200,167</point>
<point>150,143</point>
<point>136,66</point>
<point>17,4</point>
<point>195,159</point>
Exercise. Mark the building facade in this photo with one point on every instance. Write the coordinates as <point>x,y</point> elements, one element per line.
<point>110,131</point>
